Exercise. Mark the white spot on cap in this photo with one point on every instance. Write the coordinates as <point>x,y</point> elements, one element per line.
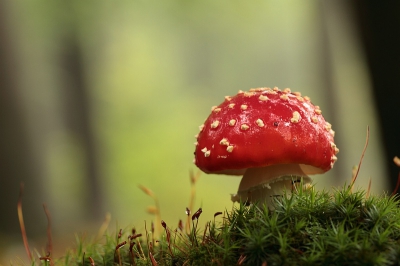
<point>296,117</point>
<point>196,136</point>
<point>206,152</point>
<point>232,122</point>
<point>196,143</point>
<point>231,105</point>
<point>224,141</point>
<point>229,148</point>
<point>215,124</point>
<point>263,98</point>
<point>213,108</point>
<point>228,98</point>
<point>332,132</point>
<point>297,93</point>
<point>314,119</point>
<point>284,97</point>
<point>253,90</point>
<point>328,126</point>
<point>244,127</point>
<point>287,90</point>
<point>265,89</point>
<point>243,107</point>
<point>334,158</point>
<point>240,92</point>
<point>260,123</point>
<point>300,98</point>
<point>276,89</point>
<point>216,110</point>
<point>201,127</point>
<point>318,111</point>
<point>248,94</point>
<point>333,146</point>
<point>307,98</point>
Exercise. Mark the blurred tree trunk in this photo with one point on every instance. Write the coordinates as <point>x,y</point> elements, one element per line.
<point>326,72</point>
<point>17,158</point>
<point>379,25</point>
<point>78,118</point>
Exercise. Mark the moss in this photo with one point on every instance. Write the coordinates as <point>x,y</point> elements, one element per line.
<point>306,228</point>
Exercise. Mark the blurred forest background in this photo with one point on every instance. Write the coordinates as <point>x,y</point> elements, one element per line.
<point>99,97</point>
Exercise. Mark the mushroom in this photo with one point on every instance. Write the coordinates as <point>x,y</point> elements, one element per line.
<point>274,138</point>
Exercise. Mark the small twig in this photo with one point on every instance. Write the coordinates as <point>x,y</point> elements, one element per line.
<point>117,253</point>
<point>49,236</point>
<point>131,253</point>
<point>193,180</point>
<point>153,261</point>
<point>47,259</point>
<point>359,164</point>
<point>241,259</point>
<point>140,250</point>
<point>188,220</point>
<point>196,216</point>
<point>396,161</point>
<point>132,244</point>
<point>180,225</point>
<point>217,214</point>
<point>204,234</point>
<point>91,261</point>
<point>21,222</point>
<point>397,185</point>
<point>168,235</point>
<point>147,237</point>
<point>153,241</point>
<point>104,226</point>
<point>156,210</point>
<point>369,189</point>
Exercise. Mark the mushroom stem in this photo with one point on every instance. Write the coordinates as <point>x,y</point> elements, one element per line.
<point>262,184</point>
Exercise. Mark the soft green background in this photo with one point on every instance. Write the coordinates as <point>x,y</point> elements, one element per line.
<point>155,68</point>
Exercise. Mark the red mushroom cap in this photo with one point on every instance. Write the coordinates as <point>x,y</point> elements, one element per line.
<point>265,127</point>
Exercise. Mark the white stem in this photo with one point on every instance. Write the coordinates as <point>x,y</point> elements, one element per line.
<point>264,183</point>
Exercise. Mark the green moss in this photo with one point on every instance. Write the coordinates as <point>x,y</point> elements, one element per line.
<point>306,228</point>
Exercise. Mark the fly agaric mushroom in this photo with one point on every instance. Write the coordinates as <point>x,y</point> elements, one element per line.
<point>273,138</point>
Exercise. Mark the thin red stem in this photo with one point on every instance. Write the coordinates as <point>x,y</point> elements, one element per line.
<point>21,222</point>
<point>397,185</point>
<point>361,159</point>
